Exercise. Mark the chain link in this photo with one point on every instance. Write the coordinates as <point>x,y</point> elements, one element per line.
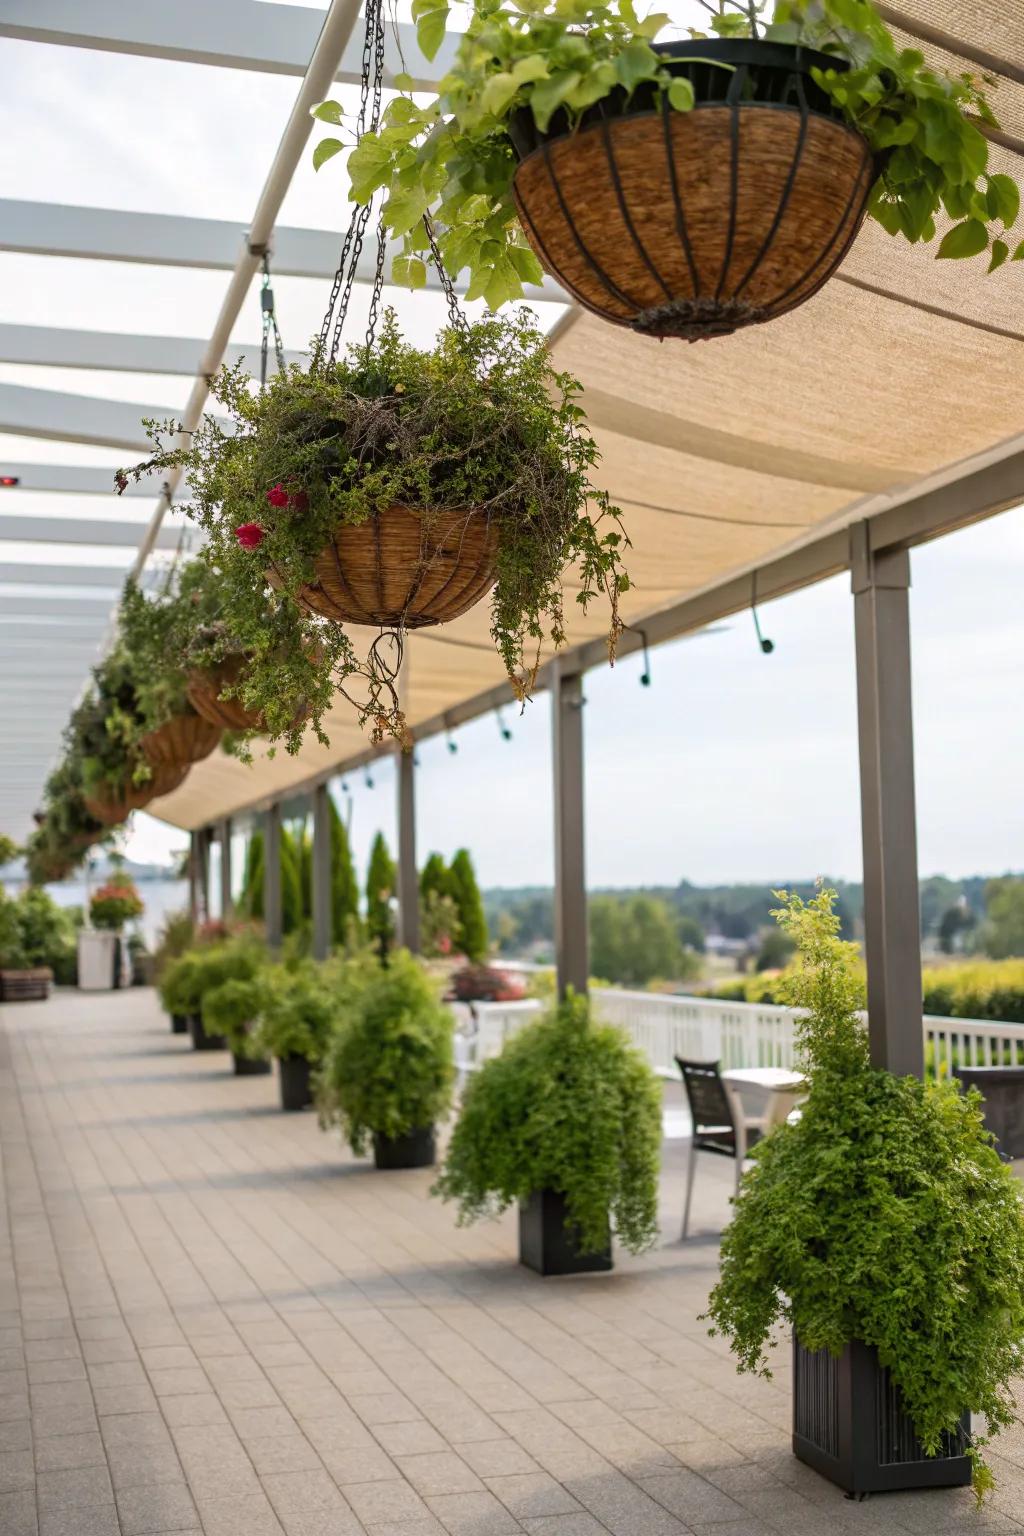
<point>456,317</point>
<point>269,316</point>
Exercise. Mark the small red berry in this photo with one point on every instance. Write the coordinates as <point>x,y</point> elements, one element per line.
<point>250,535</point>
<point>277,496</point>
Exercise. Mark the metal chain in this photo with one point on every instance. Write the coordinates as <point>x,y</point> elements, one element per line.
<point>456,317</point>
<point>269,324</point>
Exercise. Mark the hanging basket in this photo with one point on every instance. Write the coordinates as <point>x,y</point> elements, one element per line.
<point>404,568</point>
<point>180,742</point>
<point>205,686</point>
<point>111,805</point>
<point>694,224</point>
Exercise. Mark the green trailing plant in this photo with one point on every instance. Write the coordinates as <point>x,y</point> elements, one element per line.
<point>569,1106</point>
<point>13,950</point>
<point>389,1068</point>
<point>885,1216</point>
<point>299,1009</point>
<point>450,161</point>
<point>480,423</point>
<point>102,740</point>
<point>232,1009</point>
<point>9,850</point>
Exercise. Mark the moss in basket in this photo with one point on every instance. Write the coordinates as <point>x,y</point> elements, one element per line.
<point>885,1215</point>
<point>569,1105</point>
<point>299,1009</point>
<point>482,421</point>
<point>232,1009</point>
<point>389,1068</point>
<point>451,158</point>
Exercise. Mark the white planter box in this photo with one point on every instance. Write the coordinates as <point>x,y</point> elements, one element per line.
<point>97,954</point>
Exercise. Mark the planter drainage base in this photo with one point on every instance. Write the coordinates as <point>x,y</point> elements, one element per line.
<point>413,1151</point>
<point>849,1425</point>
<point>179,1023</point>
<point>547,1244</point>
<point>200,1039</point>
<point>250,1066</point>
<point>296,1088</point>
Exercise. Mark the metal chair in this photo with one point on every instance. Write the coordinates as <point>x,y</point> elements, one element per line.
<point>719,1122</point>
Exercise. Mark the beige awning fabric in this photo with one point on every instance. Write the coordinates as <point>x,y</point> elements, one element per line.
<point>724,455</point>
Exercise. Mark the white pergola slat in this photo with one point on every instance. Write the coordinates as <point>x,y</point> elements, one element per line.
<point>15,573</point>
<point>66,418</point>
<point>73,480</point>
<point>53,347</point>
<point>77,530</point>
<point>172,240</point>
<point>231,34</point>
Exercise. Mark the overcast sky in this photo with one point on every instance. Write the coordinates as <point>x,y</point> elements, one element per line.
<point>732,765</point>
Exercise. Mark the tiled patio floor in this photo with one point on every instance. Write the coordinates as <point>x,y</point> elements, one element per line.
<point>212,1319</point>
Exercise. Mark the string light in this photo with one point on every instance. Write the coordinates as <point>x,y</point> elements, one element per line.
<point>367,779</point>
<point>506,734</point>
<point>767,646</point>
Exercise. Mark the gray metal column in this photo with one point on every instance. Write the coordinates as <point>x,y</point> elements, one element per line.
<point>272,913</point>
<point>892,924</point>
<point>321,873</point>
<point>570,880</point>
<point>195,888</point>
<point>408,878</point>
<point>224,836</point>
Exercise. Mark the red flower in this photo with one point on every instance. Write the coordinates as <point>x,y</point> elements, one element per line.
<point>121,481</point>
<point>277,496</point>
<point>250,535</point>
<point>300,501</point>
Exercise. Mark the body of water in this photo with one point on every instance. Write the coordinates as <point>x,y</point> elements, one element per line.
<point>160,896</point>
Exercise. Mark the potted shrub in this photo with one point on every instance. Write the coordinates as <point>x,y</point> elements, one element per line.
<point>176,937</point>
<point>566,1121</point>
<point>231,1012</point>
<point>484,984</point>
<point>884,1230</point>
<point>21,980</point>
<point>114,904</point>
<point>686,188</point>
<point>298,1013</point>
<point>396,488</point>
<point>388,1072</point>
<point>186,981</point>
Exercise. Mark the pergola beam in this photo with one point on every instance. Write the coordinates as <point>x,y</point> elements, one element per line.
<point>80,530</point>
<point>54,347</point>
<point>54,611</point>
<point>14,573</point>
<point>232,34</point>
<point>74,480</point>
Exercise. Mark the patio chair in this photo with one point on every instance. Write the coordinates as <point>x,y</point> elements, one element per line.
<point>719,1122</point>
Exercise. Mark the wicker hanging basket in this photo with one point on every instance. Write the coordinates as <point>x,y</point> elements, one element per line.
<point>205,686</point>
<point>180,742</point>
<point>111,805</point>
<point>693,224</point>
<point>404,568</point>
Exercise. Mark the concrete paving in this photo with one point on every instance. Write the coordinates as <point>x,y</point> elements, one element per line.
<point>214,1320</point>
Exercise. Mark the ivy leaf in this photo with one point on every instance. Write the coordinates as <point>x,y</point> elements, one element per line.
<point>967,239</point>
<point>402,81</point>
<point>329,112</point>
<point>431,23</point>
<point>1000,252</point>
<point>408,272</point>
<point>369,168</point>
<point>526,264</point>
<point>405,207</point>
<point>550,94</point>
<point>497,93</point>
<point>636,63</point>
<point>680,95</point>
<point>326,150</point>
<point>1018,254</point>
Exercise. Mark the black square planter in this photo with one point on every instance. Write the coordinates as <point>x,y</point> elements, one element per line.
<point>849,1425</point>
<point>296,1087</point>
<point>250,1066</point>
<point>201,1041</point>
<point>179,1023</point>
<point>416,1150</point>
<point>547,1244</point>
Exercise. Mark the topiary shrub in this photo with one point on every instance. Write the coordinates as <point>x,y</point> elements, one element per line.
<point>884,1216</point>
<point>389,1069</point>
<point>231,1009</point>
<point>299,1010</point>
<point>571,1106</point>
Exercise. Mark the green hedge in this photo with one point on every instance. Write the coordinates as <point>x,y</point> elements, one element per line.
<point>975,989</point>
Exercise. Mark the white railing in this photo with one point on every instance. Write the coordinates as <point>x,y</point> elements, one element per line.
<point>737,1034</point>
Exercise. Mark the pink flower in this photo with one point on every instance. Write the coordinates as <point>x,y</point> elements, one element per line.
<point>250,535</point>
<point>277,496</point>
<point>121,481</point>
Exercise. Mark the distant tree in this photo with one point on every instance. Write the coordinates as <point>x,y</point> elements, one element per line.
<point>956,921</point>
<point>439,924</point>
<point>634,940</point>
<point>380,887</point>
<point>344,884</point>
<point>1004,929</point>
<point>472,936</point>
<point>775,952</point>
<point>434,876</point>
<point>690,933</point>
